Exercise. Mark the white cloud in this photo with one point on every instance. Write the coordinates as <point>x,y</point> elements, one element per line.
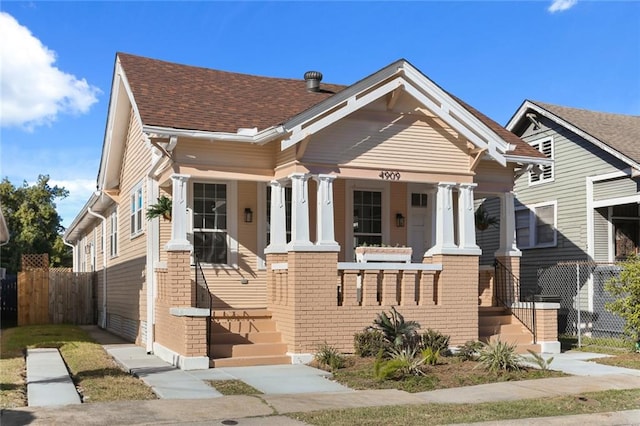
<point>561,5</point>
<point>34,91</point>
<point>79,192</point>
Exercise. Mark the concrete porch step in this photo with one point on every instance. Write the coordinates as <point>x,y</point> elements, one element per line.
<point>249,361</point>
<point>244,338</point>
<point>494,320</point>
<point>514,328</point>
<point>248,349</point>
<point>517,338</point>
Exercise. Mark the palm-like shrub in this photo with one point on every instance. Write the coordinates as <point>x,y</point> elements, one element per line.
<point>404,362</point>
<point>499,356</point>
<point>162,208</point>
<point>369,343</point>
<point>470,350</point>
<point>396,331</point>
<point>329,357</point>
<point>435,341</point>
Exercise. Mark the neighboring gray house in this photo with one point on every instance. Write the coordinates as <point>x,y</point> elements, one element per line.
<point>586,206</point>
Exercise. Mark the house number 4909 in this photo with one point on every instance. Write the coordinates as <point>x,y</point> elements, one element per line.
<point>389,175</point>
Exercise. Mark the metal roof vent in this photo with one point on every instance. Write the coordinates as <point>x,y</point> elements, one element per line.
<point>313,79</point>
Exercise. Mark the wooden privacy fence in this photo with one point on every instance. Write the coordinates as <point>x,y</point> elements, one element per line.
<point>54,296</point>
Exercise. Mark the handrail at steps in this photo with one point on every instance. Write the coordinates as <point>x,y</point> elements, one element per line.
<point>508,294</point>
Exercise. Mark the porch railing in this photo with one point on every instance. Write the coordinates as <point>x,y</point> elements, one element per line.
<point>387,284</point>
<point>508,294</point>
<point>204,298</point>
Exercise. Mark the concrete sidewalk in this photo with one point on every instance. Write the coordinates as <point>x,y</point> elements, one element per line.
<point>299,388</point>
<point>48,381</point>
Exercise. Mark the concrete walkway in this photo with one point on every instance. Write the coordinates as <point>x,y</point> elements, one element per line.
<point>48,381</point>
<point>298,388</point>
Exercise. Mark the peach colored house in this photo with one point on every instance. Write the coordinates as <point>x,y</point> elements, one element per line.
<point>275,183</point>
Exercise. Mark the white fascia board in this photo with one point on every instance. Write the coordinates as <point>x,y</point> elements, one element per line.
<point>461,128</point>
<point>616,201</point>
<point>260,138</point>
<point>416,84</point>
<point>351,91</point>
<point>353,104</point>
<point>115,116</point>
<point>597,142</point>
<point>449,104</point>
<point>97,202</point>
<point>529,160</point>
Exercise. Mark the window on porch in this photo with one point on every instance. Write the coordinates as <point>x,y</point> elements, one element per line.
<point>210,222</point>
<point>536,226</point>
<point>367,218</point>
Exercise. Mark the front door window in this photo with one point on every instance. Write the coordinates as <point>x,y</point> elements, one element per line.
<point>367,218</point>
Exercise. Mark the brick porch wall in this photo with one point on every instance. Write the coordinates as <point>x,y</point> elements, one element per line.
<point>305,306</point>
<point>183,334</point>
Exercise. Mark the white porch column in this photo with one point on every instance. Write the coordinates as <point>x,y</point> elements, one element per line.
<point>445,243</point>
<point>466,220</point>
<point>179,215</point>
<point>431,217</point>
<point>508,246</point>
<point>278,221</point>
<point>325,227</point>
<point>300,213</point>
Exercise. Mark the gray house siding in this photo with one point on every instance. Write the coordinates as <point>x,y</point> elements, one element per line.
<point>575,159</point>
<point>615,188</point>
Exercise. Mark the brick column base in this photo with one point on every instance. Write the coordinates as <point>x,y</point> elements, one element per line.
<point>547,327</point>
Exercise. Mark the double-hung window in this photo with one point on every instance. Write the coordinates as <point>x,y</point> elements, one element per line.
<point>137,204</point>
<point>367,218</point>
<point>113,234</point>
<point>546,173</point>
<point>536,226</point>
<point>210,232</point>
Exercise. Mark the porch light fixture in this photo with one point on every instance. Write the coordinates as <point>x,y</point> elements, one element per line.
<point>399,220</point>
<point>248,215</point>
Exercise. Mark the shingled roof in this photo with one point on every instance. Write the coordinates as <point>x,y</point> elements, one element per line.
<point>187,97</point>
<point>620,132</point>
<point>193,98</point>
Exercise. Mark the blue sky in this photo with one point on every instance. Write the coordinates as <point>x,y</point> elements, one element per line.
<point>57,60</point>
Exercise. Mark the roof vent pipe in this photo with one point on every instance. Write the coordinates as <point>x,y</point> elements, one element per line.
<point>313,79</point>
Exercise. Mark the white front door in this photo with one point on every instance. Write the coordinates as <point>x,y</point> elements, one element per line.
<point>419,221</point>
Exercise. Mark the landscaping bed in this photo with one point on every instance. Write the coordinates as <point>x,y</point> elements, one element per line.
<point>450,372</point>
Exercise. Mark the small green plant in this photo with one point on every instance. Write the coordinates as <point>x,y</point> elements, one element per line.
<point>626,290</point>
<point>162,208</point>
<point>436,341</point>
<point>329,357</point>
<point>483,220</point>
<point>398,332</point>
<point>470,350</point>
<point>543,364</point>
<point>499,356</point>
<point>430,356</point>
<point>369,343</point>
<point>404,362</point>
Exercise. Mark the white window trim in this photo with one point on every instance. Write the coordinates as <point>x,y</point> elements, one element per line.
<point>137,232</point>
<point>532,224</point>
<point>112,232</point>
<point>232,223</point>
<point>365,186</point>
<point>539,142</point>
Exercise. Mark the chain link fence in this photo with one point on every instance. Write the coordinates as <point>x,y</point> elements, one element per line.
<point>583,314</point>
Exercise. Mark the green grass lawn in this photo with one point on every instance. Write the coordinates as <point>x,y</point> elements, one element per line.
<point>402,415</point>
<point>93,371</point>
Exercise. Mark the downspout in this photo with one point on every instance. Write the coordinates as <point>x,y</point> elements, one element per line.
<point>73,254</point>
<point>103,320</point>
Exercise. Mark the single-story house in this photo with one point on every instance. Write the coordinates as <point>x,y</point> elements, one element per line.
<point>299,211</point>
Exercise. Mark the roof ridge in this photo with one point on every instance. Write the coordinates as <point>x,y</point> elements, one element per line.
<point>546,104</point>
